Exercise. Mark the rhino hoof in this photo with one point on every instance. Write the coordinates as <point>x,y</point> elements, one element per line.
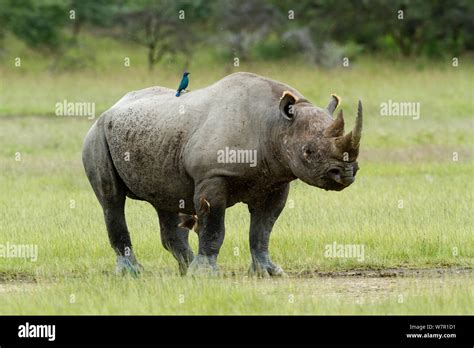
<point>266,271</point>
<point>125,266</point>
<point>203,266</point>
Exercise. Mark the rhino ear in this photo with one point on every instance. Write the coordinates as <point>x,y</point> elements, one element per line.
<point>333,103</point>
<point>287,103</point>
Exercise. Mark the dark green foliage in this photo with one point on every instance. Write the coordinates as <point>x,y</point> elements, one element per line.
<point>428,27</point>
<point>36,23</point>
<point>99,13</point>
<point>251,29</point>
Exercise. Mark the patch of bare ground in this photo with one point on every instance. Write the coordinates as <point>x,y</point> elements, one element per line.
<point>17,286</point>
<point>388,272</point>
<point>373,286</point>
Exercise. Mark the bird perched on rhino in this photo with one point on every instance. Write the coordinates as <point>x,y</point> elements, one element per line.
<point>183,84</point>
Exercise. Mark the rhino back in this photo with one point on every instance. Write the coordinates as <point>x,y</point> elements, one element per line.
<point>146,134</point>
<point>161,145</point>
<point>244,106</point>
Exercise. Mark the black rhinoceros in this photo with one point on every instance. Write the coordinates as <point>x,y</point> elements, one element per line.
<point>242,139</point>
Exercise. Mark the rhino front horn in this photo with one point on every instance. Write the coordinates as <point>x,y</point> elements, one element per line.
<point>357,131</point>
<point>350,141</point>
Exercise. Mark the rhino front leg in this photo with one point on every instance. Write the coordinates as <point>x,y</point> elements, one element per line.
<point>263,214</point>
<point>210,200</point>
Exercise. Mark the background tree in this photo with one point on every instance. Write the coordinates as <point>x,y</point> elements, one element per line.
<point>99,13</point>
<point>321,31</point>
<point>165,27</point>
<point>37,24</point>
<point>243,23</point>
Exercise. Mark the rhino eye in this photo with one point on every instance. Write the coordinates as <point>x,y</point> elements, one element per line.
<point>308,151</point>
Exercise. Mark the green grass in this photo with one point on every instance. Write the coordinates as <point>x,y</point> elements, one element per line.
<point>401,159</point>
<point>155,293</point>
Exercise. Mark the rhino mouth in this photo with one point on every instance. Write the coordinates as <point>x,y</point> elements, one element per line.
<point>331,185</point>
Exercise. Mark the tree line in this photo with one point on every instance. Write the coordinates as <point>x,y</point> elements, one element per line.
<point>320,30</point>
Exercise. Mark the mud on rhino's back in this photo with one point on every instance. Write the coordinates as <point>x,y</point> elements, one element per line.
<point>146,146</point>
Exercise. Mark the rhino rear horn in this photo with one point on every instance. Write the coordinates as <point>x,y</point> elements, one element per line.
<point>336,128</point>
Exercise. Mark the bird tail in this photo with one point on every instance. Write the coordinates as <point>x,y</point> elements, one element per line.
<point>178,93</point>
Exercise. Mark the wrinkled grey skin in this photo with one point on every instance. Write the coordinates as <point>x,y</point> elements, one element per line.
<point>161,149</point>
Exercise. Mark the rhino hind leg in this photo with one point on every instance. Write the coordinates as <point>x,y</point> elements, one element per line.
<point>111,193</point>
<point>175,239</point>
<point>263,215</point>
<point>119,237</point>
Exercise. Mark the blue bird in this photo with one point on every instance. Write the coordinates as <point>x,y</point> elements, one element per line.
<point>184,83</point>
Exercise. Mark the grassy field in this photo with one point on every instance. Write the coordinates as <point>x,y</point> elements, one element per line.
<point>410,207</point>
